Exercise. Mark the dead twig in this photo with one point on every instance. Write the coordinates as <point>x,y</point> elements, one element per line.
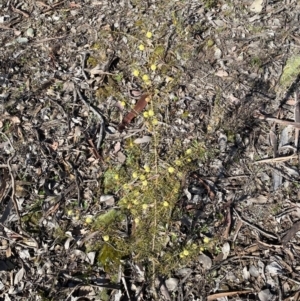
<point>19,11</point>
<point>263,232</point>
<point>297,118</point>
<point>52,7</point>
<point>278,159</point>
<point>48,40</point>
<point>237,230</point>
<point>94,149</point>
<point>101,132</point>
<point>2,26</point>
<point>262,116</point>
<point>82,66</point>
<point>226,294</point>
<point>125,286</point>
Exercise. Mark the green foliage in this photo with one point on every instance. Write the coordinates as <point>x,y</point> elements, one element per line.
<point>255,61</point>
<point>92,62</point>
<point>148,195</point>
<point>109,258</point>
<point>290,72</point>
<point>105,220</point>
<point>209,4</point>
<point>146,186</point>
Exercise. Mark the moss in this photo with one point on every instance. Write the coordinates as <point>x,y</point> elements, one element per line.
<point>91,62</point>
<point>290,72</point>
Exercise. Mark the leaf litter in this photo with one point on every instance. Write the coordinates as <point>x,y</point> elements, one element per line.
<point>91,159</point>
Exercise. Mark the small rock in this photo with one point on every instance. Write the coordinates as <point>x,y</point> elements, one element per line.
<point>183,272</point>
<point>206,261</point>
<point>172,284</point>
<point>109,200</point>
<point>22,40</point>
<point>265,295</point>
<point>30,32</point>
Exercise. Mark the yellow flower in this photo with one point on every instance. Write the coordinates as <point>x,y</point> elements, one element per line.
<point>181,255</point>
<point>145,183</point>
<point>145,77</point>
<point>202,249</point>
<point>135,201</point>
<point>171,169</point>
<point>88,219</point>
<point>153,67</point>
<point>150,113</point>
<point>178,162</point>
<point>70,212</point>
<point>136,72</point>
<point>136,220</point>
<point>146,114</point>
<point>147,168</point>
<point>189,159</point>
<point>155,122</point>
<point>148,82</point>
<point>145,206</point>
<point>142,177</point>
<point>188,151</point>
<point>186,252</point>
<point>135,175</point>
<point>149,35</point>
<point>194,246</point>
<point>166,204</point>
<point>136,193</point>
<point>179,175</point>
<point>141,47</point>
<point>169,79</point>
<point>123,104</point>
<point>105,237</point>
<point>206,240</point>
<point>116,177</point>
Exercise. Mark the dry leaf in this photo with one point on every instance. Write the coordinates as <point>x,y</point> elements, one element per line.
<point>19,276</point>
<point>15,120</point>
<point>261,199</point>
<point>257,6</point>
<point>121,157</point>
<point>138,108</point>
<point>225,250</point>
<point>144,139</point>
<point>221,73</point>
<point>207,187</point>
